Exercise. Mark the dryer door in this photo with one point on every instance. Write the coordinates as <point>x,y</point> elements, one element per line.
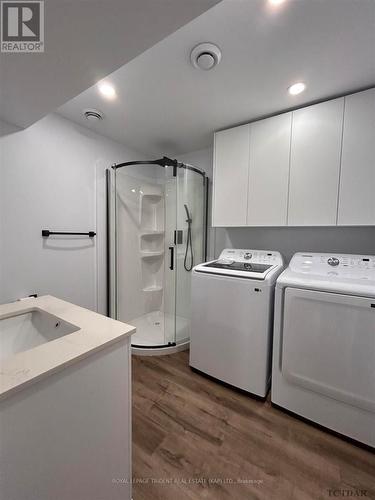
<point>329,345</point>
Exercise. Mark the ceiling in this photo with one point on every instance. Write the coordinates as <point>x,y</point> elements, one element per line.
<point>84,41</point>
<point>165,106</point>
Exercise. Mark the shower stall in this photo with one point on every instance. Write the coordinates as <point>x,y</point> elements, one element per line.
<point>157,232</point>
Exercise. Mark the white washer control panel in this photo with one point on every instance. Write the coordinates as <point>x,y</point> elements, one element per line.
<point>253,256</point>
<point>334,265</point>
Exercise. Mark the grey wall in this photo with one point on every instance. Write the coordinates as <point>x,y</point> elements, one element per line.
<point>7,128</point>
<point>287,240</point>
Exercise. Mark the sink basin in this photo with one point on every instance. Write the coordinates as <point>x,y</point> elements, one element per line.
<point>21,332</point>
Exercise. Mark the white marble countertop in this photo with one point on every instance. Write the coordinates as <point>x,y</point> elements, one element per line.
<point>95,332</point>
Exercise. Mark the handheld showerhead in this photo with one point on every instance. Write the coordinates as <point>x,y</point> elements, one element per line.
<point>189,220</point>
<point>189,245</point>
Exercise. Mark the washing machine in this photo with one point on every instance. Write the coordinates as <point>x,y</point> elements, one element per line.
<point>232,318</point>
<point>324,342</point>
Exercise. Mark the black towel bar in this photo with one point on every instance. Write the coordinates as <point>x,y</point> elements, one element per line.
<point>46,233</point>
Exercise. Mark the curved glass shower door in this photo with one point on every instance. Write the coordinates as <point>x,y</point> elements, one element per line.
<point>145,219</point>
<point>150,275</point>
<point>190,249</point>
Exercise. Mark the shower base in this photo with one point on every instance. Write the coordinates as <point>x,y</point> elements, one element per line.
<point>157,329</point>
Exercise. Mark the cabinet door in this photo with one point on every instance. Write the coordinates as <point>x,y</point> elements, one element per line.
<point>269,171</point>
<point>231,167</point>
<point>315,164</point>
<point>357,180</point>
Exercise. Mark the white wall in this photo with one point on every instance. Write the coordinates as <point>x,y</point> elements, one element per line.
<point>52,176</point>
<point>287,240</point>
<point>203,160</point>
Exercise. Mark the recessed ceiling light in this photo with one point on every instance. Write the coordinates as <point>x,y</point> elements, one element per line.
<point>276,2</point>
<point>107,90</point>
<point>296,88</point>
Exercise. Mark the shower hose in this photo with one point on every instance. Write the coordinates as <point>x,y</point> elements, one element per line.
<point>189,256</point>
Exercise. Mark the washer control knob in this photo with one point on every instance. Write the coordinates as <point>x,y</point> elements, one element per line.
<point>247,256</point>
<point>332,261</point>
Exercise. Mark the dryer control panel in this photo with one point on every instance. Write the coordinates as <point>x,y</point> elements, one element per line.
<point>334,265</point>
<point>251,256</point>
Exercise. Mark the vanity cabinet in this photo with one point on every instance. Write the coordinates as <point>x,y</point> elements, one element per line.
<point>231,168</point>
<point>357,180</point>
<point>314,166</point>
<point>269,171</point>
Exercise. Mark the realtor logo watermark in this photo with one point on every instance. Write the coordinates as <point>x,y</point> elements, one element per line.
<point>22,26</point>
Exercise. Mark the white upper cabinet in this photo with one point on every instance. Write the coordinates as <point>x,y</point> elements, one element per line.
<point>315,164</point>
<point>357,180</point>
<point>231,168</point>
<point>269,171</point>
<point>311,167</point>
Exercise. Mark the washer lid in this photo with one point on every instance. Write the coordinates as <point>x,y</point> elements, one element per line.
<point>351,274</point>
<point>236,269</point>
<point>254,264</point>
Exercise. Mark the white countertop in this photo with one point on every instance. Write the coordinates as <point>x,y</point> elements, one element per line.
<point>95,332</point>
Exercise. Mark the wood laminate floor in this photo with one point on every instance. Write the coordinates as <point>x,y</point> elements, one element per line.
<point>196,439</point>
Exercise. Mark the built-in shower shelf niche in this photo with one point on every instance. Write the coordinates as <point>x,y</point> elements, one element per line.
<point>151,209</point>
<point>152,269</point>
<point>151,244</point>
<point>150,255</point>
<point>152,241</point>
<point>147,234</point>
<point>153,288</point>
<point>152,198</point>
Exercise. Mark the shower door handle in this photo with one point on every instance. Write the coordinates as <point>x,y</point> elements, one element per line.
<point>171,264</point>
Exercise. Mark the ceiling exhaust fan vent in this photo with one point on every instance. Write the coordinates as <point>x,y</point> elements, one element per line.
<point>93,115</point>
<point>205,56</point>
